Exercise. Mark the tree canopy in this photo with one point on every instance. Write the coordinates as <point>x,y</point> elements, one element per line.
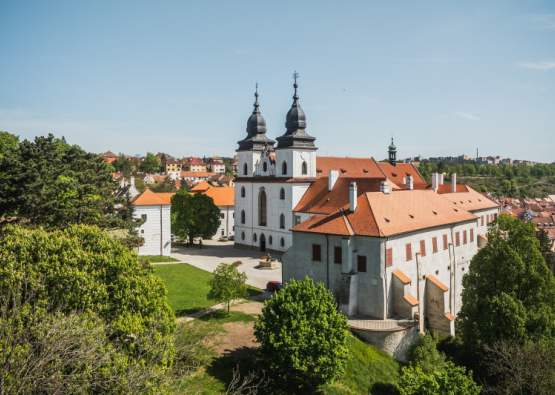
<point>194,215</point>
<point>8,142</point>
<point>227,284</point>
<point>509,293</point>
<point>49,183</point>
<point>303,337</point>
<point>151,163</point>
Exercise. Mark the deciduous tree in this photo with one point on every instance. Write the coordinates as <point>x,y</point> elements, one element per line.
<point>194,215</point>
<point>227,284</point>
<point>303,337</point>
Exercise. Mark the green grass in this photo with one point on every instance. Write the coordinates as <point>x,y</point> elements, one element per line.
<point>221,317</point>
<point>187,287</point>
<point>156,258</point>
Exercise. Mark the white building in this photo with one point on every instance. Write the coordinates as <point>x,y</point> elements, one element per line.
<point>224,198</point>
<point>154,209</point>
<point>216,167</point>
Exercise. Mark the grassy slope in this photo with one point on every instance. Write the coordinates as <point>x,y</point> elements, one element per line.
<point>530,187</point>
<point>187,287</point>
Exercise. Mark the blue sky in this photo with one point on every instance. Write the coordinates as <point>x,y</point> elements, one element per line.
<point>442,77</point>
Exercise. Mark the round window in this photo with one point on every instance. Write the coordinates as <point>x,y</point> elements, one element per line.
<point>254,237</point>
<point>270,240</point>
<point>282,242</point>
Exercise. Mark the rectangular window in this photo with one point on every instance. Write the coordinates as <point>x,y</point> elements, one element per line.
<point>409,252</point>
<point>233,215</point>
<point>482,220</point>
<point>361,260</point>
<point>471,235</point>
<point>445,244</point>
<point>143,217</point>
<point>434,244</point>
<point>337,255</point>
<point>222,215</point>
<point>423,247</point>
<point>458,239</point>
<point>389,257</point>
<point>316,252</point>
<point>464,237</point>
<point>297,219</point>
<point>495,216</point>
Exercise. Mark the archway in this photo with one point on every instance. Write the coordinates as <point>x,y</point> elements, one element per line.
<point>262,242</point>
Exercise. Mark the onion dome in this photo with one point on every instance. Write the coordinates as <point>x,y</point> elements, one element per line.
<point>392,153</point>
<point>392,146</point>
<point>256,130</point>
<point>295,117</point>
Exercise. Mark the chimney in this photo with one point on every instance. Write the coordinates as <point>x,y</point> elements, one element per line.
<point>122,184</point>
<point>409,181</point>
<point>404,180</point>
<point>132,178</point>
<point>353,197</point>
<point>384,187</point>
<point>435,181</point>
<point>453,182</point>
<point>333,176</point>
<point>440,179</point>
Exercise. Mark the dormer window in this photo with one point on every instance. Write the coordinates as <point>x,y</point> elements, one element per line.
<point>343,171</point>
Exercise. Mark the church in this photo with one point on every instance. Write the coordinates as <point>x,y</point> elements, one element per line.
<point>392,248</point>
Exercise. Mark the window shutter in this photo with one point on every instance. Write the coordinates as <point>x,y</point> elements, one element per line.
<point>423,247</point>
<point>409,252</point>
<point>434,244</point>
<point>464,237</point>
<point>458,239</point>
<point>445,244</point>
<point>471,235</point>
<point>389,257</point>
<point>482,220</point>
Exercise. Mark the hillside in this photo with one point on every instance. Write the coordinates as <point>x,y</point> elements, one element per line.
<point>530,187</point>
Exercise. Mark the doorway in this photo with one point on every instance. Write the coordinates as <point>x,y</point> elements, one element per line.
<point>262,242</point>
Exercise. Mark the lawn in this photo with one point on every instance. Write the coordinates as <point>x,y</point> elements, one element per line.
<point>156,258</point>
<point>187,287</point>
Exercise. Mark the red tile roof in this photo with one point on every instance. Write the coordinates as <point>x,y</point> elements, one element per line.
<point>352,167</point>
<point>222,196</point>
<point>400,171</point>
<point>201,186</point>
<point>149,198</point>
<point>381,215</point>
<point>470,200</point>
<point>401,276</point>
<point>412,300</point>
<point>319,200</point>
<point>434,280</point>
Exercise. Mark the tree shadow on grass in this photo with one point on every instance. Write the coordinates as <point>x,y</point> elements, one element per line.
<point>185,312</point>
<point>384,389</point>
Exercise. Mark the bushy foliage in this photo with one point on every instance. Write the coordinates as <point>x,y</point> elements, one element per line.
<point>424,354</point>
<point>509,293</point>
<point>227,284</point>
<point>194,215</point>
<point>303,337</point>
<point>452,380</point>
<point>82,269</point>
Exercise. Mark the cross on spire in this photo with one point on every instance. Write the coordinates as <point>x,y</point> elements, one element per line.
<point>295,76</point>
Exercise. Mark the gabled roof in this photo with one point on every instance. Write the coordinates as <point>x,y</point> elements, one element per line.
<point>200,174</point>
<point>319,200</point>
<point>348,167</point>
<point>381,215</point>
<point>195,161</point>
<point>149,198</point>
<point>222,196</point>
<point>108,154</point>
<point>396,173</point>
<point>201,187</point>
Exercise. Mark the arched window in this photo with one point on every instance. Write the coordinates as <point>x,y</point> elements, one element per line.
<point>254,237</point>
<point>242,216</point>
<point>242,191</point>
<point>282,194</point>
<point>282,242</point>
<point>262,207</point>
<point>304,170</point>
<point>284,168</point>
<point>270,240</point>
<point>242,235</point>
<point>265,167</point>
<point>245,169</point>
<point>282,221</point>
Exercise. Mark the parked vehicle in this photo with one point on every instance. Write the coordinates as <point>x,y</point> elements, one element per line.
<point>274,286</point>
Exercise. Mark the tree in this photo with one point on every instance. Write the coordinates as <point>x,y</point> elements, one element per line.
<point>509,293</point>
<point>8,142</point>
<point>452,380</point>
<point>167,185</point>
<point>82,269</point>
<point>127,225</point>
<point>194,215</point>
<point>303,337</point>
<point>151,163</point>
<point>424,354</point>
<point>123,165</point>
<point>545,248</point>
<point>52,184</point>
<point>227,284</point>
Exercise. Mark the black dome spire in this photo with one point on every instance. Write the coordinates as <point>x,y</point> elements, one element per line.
<point>295,122</point>
<point>256,130</point>
<point>256,123</point>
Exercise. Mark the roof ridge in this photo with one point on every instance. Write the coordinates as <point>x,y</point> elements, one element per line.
<point>347,223</point>
<point>372,212</point>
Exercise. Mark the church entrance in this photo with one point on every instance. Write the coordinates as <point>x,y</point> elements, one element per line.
<point>262,242</point>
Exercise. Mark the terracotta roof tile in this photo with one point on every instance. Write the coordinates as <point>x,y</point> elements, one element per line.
<point>401,276</point>
<point>201,187</point>
<point>352,167</point>
<point>470,200</point>
<point>434,280</point>
<point>412,300</point>
<point>149,198</point>
<point>333,224</point>
<point>400,171</point>
<point>449,316</point>
<point>222,196</point>
<point>198,174</point>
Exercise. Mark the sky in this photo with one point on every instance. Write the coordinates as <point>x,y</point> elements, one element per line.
<point>442,77</point>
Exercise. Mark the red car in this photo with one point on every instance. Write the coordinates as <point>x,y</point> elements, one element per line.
<point>274,286</point>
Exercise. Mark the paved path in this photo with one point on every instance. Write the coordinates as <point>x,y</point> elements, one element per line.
<point>214,252</point>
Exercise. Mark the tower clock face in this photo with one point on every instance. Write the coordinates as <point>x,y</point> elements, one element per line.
<point>303,156</point>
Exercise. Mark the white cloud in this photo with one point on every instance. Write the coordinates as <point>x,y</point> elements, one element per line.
<point>467,115</point>
<point>546,65</point>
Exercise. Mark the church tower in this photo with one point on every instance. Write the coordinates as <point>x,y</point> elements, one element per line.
<point>392,154</point>
<point>296,153</point>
